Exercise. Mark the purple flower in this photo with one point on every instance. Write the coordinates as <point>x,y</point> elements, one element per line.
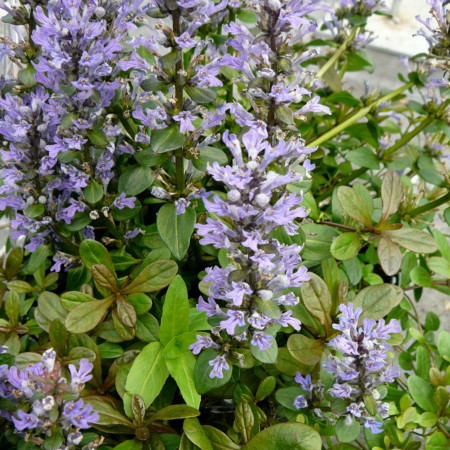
<point>304,381</point>
<point>235,319</point>
<point>374,426</point>
<point>82,375</point>
<point>218,364</point>
<point>201,343</point>
<point>25,421</point>
<point>300,402</point>
<point>261,340</point>
<point>185,119</point>
<point>181,205</point>
<point>80,415</point>
<point>122,201</point>
<point>185,41</point>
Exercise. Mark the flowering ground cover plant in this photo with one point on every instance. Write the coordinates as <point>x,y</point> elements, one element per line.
<point>212,243</point>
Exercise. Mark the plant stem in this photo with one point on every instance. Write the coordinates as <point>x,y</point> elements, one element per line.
<point>436,283</point>
<point>407,137</point>
<point>329,64</point>
<point>359,115</point>
<point>179,156</point>
<point>343,227</point>
<point>443,429</point>
<point>429,206</point>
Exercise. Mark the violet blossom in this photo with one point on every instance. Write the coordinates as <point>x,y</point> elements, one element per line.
<point>363,366</point>
<point>46,402</point>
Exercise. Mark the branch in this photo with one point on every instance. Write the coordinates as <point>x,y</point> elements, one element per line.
<point>429,206</point>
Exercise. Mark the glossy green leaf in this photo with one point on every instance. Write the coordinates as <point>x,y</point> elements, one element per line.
<point>135,179</point>
<point>176,229</point>
<point>307,351</point>
<point>167,139</point>
<point>175,316</point>
<point>147,375</point>
<point>346,246</point>
<point>286,436</point>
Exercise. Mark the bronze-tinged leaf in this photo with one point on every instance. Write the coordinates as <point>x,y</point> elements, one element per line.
<point>391,194</point>
<point>355,205</point>
<point>390,256</point>
<point>154,277</point>
<point>317,299</point>
<point>104,278</point>
<point>126,311</point>
<point>87,316</point>
<point>307,351</point>
<point>378,300</point>
<point>418,241</point>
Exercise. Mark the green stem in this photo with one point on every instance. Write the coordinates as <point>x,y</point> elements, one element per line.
<point>179,155</point>
<point>359,115</point>
<point>429,206</point>
<point>407,137</point>
<point>436,283</point>
<point>329,64</point>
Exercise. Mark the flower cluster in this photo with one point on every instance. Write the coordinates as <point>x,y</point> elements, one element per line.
<point>363,366</point>
<point>313,392</point>
<point>57,141</point>
<point>269,63</point>
<point>44,405</point>
<point>183,68</point>
<point>256,282</point>
<point>438,38</point>
<point>341,22</point>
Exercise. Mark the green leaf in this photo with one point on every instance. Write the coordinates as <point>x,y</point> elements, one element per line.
<point>265,388</point>
<point>147,328</point>
<point>108,350</point>
<point>440,266</point>
<point>107,411</point>
<point>318,241</point>
<point>70,300</point>
<point>391,193</point>
<point>201,95</point>
<point>209,155</point>
<point>49,309</point>
<point>390,256</point>
<point>354,205</point>
<point>147,376</point>
<point>141,302</point>
<point>437,441</point>
<point>169,60</point>
<point>153,277</point>
<point>286,436</point>
<point>13,261</point>
<point>196,434</point>
<point>363,157</point>
<point>176,229</point>
<point>377,301</point>
<point>93,193</point>
<point>422,393</point>
<point>87,316</point>
<point>58,336</point>
<point>131,444</point>
<point>98,138</point>
<point>12,307</point>
<point>346,246</point>
<point>413,239</point>
<point>244,421</point>
<point>219,440</point>
<point>153,84</point>
<point>167,139</point>
<point>135,180</point>
<point>317,299</point>
<point>176,306</point>
<point>172,412</point>
<point>26,76</point>
<point>443,345</point>
<point>203,382</point>
<point>421,276</point>
<point>269,355</point>
<point>347,433</point>
<point>181,363</point>
<point>307,351</point>
<point>104,278</point>
<point>93,252</point>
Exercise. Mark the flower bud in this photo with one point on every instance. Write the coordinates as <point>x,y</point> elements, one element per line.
<point>262,200</point>
<point>234,195</point>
